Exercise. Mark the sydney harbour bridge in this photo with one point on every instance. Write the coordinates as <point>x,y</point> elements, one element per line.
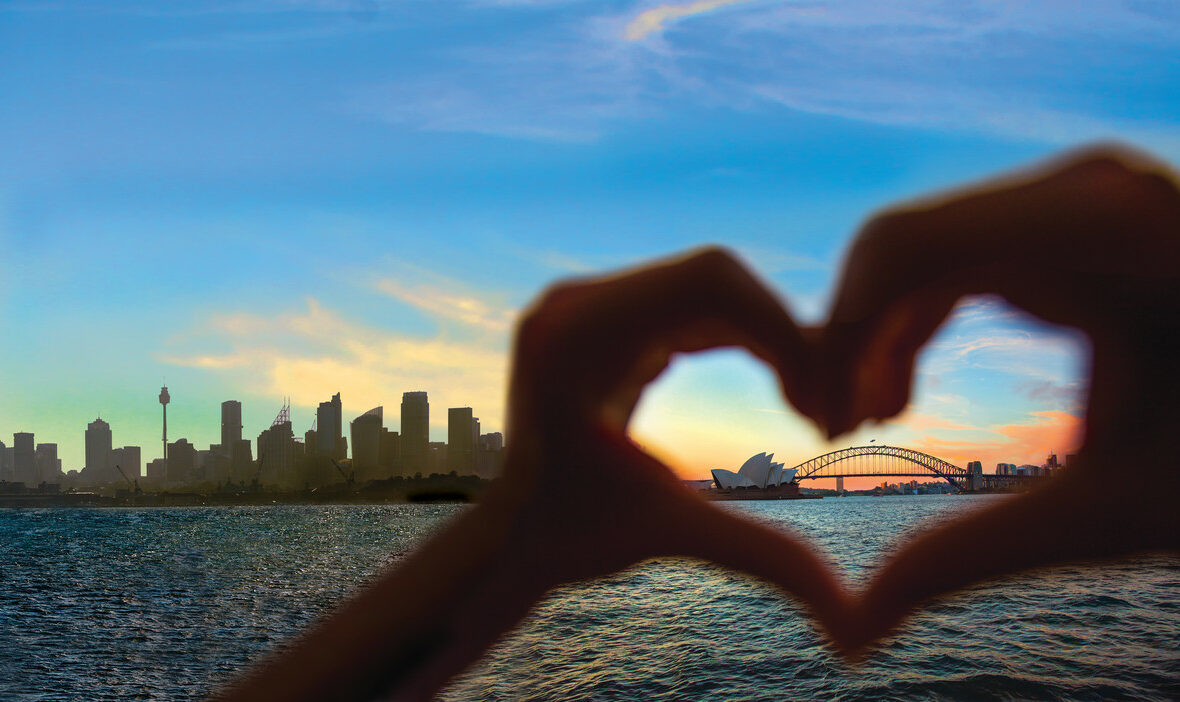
<point>880,461</point>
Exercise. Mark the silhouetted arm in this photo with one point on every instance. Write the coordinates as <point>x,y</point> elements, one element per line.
<point>577,499</point>
<point>1092,241</point>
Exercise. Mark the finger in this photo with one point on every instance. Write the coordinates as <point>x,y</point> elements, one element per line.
<point>597,342</point>
<point>1059,241</point>
<point>1072,519</point>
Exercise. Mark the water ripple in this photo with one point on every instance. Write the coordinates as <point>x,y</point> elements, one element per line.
<point>168,603</point>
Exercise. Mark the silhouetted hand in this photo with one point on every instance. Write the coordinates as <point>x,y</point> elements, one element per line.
<point>1090,241</point>
<point>577,499</point>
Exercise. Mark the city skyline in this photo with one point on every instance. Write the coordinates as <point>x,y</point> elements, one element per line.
<point>368,447</point>
<point>101,455</point>
<point>293,199</point>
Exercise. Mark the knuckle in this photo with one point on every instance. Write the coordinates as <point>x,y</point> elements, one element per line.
<point>537,326</point>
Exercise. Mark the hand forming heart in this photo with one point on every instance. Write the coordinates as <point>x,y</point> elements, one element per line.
<point>1092,242</point>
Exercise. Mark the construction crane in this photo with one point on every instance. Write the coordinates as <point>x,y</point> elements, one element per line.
<point>349,478</point>
<point>134,485</point>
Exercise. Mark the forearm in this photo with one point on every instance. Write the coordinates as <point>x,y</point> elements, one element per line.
<point>418,625</point>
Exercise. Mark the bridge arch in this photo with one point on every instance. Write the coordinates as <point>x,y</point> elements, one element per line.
<point>880,461</point>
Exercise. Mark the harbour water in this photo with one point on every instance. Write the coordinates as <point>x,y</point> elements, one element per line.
<point>168,603</point>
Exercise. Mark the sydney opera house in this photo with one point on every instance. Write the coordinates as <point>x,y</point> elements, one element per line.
<point>758,475</point>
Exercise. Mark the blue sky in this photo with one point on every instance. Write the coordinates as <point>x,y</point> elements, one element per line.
<point>271,198</point>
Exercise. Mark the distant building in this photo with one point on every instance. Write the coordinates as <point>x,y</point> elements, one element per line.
<point>47,464</point>
<point>490,456</point>
<point>155,470</point>
<point>231,425</point>
<point>759,471</point>
<point>98,453</point>
<point>492,441</point>
<point>6,463</point>
<point>365,432</point>
<point>436,458</point>
<point>391,453</point>
<point>415,432</point>
<point>277,456</point>
<point>461,442</point>
<point>182,463</point>
<point>128,459</point>
<point>311,442</point>
<point>329,433</point>
<point>23,464</point>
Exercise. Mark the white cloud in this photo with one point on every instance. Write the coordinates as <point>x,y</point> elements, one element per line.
<point>656,19</point>
<point>1025,71</point>
<point>446,302</point>
<point>313,353</point>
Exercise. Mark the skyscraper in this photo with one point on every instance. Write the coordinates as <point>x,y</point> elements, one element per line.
<point>23,466</point>
<point>276,455</point>
<point>5,463</point>
<point>231,425</point>
<point>415,432</point>
<point>47,464</point>
<point>460,440</point>
<point>181,466</point>
<point>98,452</point>
<point>329,428</point>
<point>366,443</point>
<point>129,461</point>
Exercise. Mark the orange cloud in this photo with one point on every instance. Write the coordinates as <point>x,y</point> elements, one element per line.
<point>1028,442</point>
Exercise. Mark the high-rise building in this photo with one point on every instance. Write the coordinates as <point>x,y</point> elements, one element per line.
<point>154,471</point>
<point>460,442</point>
<point>98,453</point>
<point>181,466</point>
<point>129,461</point>
<point>330,428</point>
<point>415,432</point>
<point>391,453</point>
<point>47,464</point>
<point>23,467</point>
<point>5,462</point>
<point>277,454</point>
<point>231,425</point>
<point>490,456</point>
<point>366,443</point>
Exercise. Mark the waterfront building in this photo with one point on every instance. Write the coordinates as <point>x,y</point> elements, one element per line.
<point>759,471</point>
<point>461,440</point>
<point>277,456</point>
<point>5,463</point>
<point>366,431</point>
<point>98,453</point>
<point>128,459</point>
<point>492,441</point>
<point>23,466</point>
<point>436,458</point>
<point>155,470</point>
<point>490,456</point>
<point>231,425</point>
<point>181,465</point>
<point>47,464</point>
<point>330,429</point>
<point>415,432</point>
<point>391,453</point>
